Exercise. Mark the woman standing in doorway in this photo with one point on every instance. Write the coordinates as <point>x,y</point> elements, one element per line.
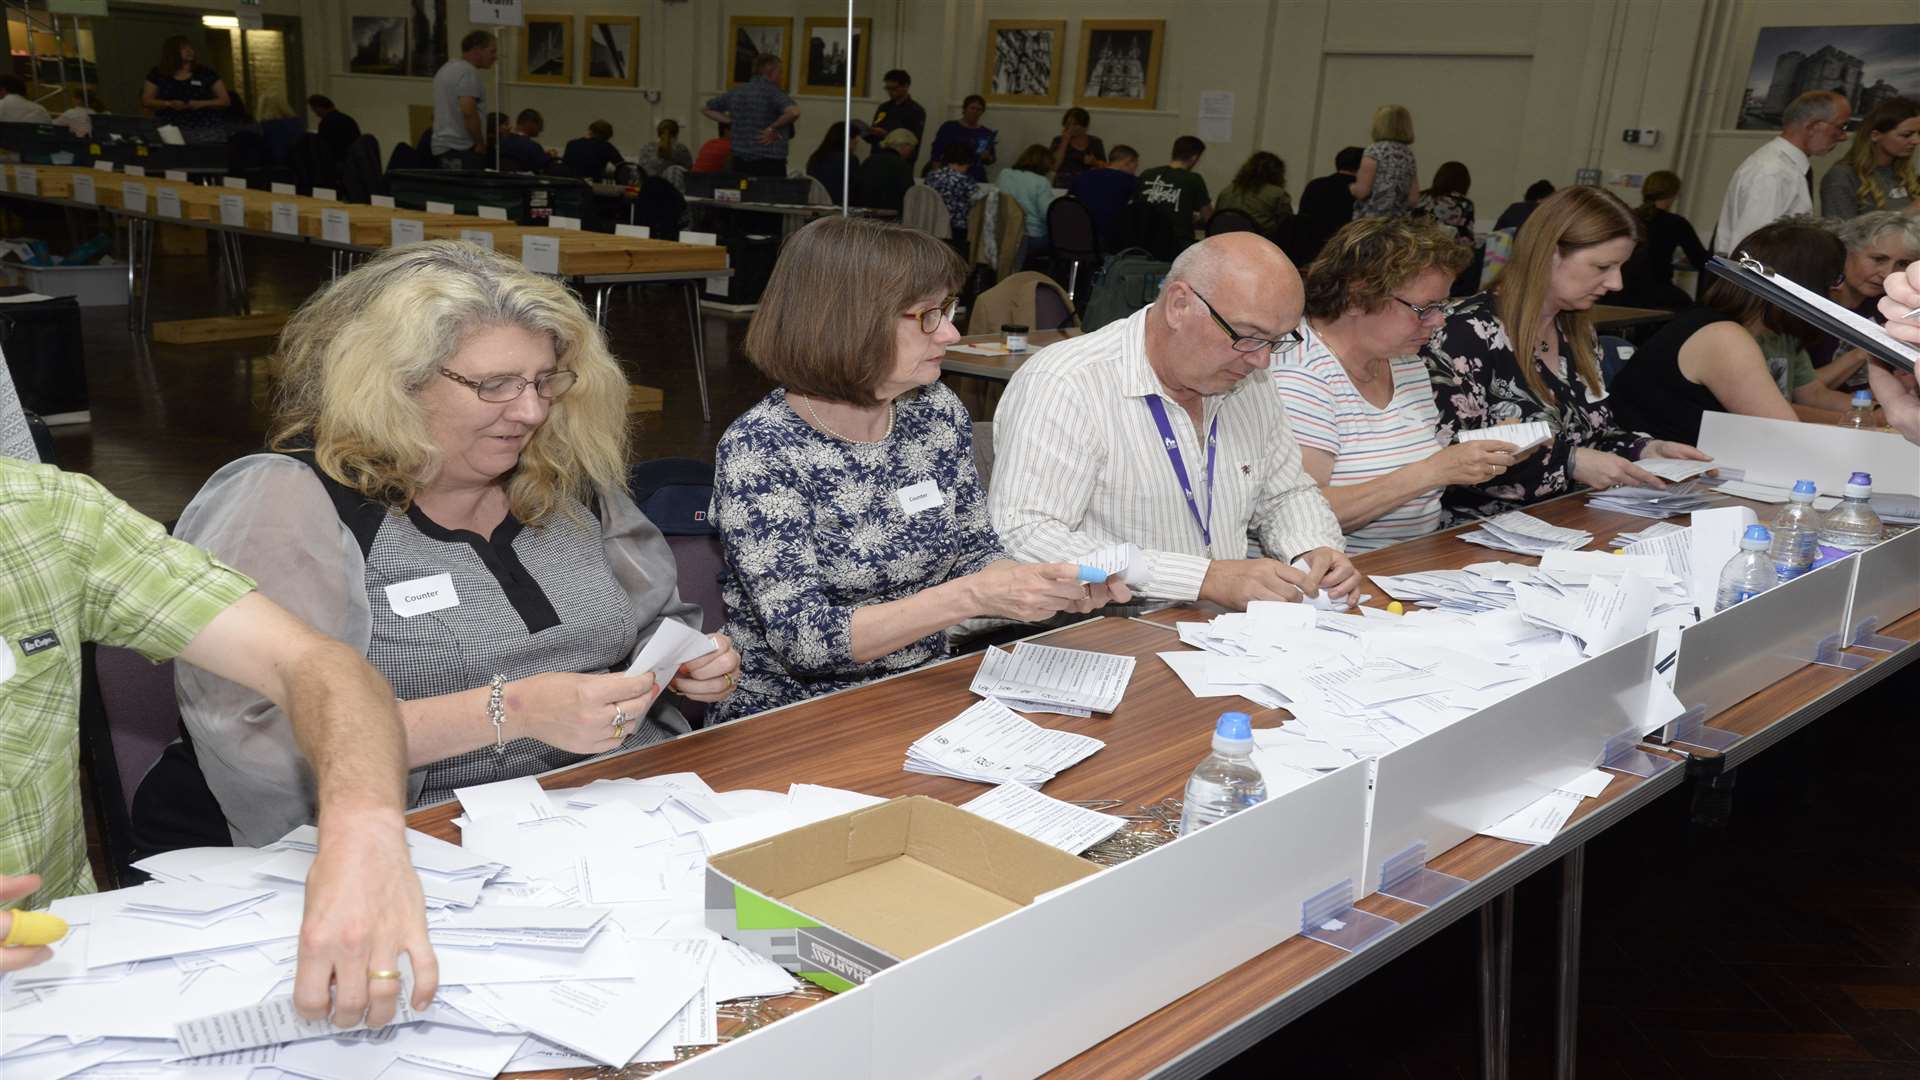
<point>186,94</point>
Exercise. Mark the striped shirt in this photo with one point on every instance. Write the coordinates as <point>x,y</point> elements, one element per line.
<point>1078,464</point>
<point>1328,413</point>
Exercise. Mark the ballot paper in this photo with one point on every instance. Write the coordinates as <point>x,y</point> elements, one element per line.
<point>1044,675</point>
<point>992,744</point>
<point>1674,469</point>
<point>270,1022</point>
<point>1587,564</point>
<point>1588,784</point>
<point>1655,503</point>
<point>1122,562</point>
<point>1525,437</point>
<point>1521,532</point>
<point>1072,829</point>
<point>673,644</point>
<point>1538,822</point>
<point>519,799</point>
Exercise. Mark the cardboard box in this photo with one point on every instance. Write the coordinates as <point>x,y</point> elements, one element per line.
<point>841,900</point>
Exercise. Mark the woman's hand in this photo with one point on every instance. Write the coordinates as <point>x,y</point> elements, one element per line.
<point>1663,448</point>
<point>710,677</point>
<point>1030,592</point>
<point>1473,462</point>
<point>576,713</point>
<point>1600,470</point>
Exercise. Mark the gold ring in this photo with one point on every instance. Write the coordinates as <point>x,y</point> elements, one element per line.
<point>383,974</point>
<point>730,682</point>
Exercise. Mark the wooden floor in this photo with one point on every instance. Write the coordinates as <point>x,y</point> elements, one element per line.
<point>1780,943</point>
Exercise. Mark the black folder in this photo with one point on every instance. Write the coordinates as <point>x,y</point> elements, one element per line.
<point>1816,310</point>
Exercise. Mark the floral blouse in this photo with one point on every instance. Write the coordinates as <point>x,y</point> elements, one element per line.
<point>1394,178</point>
<point>1477,384</point>
<point>815,527</point>
<point>1453,212</point>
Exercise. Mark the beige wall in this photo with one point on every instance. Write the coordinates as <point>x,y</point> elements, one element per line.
<point>1516,89</point>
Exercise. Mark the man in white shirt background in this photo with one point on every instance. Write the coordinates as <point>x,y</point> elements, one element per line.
<point>459,132</point>
<point>1776,180</point>
<point>16,107</point>
<point>1163,430</point>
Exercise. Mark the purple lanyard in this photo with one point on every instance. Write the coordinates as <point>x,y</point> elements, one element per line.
<point>1159,410</point>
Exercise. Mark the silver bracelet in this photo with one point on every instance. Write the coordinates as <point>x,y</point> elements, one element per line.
<point>497,713</point>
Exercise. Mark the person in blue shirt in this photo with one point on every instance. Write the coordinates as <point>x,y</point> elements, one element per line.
<point>519,150</point>
<point>979,140</point>
<point>1108,189</point>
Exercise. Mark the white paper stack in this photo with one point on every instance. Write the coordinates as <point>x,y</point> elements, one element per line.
<point>1653,502</point>
<point>1041,678</point>
<point>992,744</point>
<point>1072,829</point>
<point>1521,532</point>
<point>1525,437</point>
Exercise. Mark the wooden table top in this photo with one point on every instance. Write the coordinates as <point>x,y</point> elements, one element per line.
<point>999,367</point>
<point>858,740</point>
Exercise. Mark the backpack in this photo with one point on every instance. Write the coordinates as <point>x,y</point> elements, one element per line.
<point>1128,282</point>
<point>674,494</point>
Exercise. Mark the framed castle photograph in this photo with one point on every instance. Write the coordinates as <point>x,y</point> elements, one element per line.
<point>1119,63</point>
<point>1868,64</point>
<point>1022,65</point>
<point>609,56</point>
<point>546,49</point>
<point>829,55</point>
<point>748,36</point>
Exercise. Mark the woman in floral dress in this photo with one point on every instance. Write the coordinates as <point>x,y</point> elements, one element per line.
<point>854,524</point>
<point>1568,257</point>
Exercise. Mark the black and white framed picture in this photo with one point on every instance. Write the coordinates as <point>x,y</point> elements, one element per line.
<point>1023,61</point>
<point>1869,64</point>
<point>547,50</point>
<point>830,55</point>
<point>1119,63</point>
<point>750,36</point>
<point>610,56</point>
<point>426,37</point>
<point>379,45</point>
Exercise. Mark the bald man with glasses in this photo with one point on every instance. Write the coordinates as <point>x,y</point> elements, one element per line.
<point>1163,431</point>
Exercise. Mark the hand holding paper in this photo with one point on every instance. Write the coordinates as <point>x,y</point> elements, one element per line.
<point>673,644</point>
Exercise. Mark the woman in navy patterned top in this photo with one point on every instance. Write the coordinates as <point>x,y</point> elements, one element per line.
<point>855,526</point>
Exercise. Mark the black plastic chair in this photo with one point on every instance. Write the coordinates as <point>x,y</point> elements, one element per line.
<point>1226,221</point>
<point>1075,241</point>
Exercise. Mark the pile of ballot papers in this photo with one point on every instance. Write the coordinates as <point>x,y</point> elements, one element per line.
<point>991,744</point>
<point>1042,678</point>
<point>1653,502</point>
<point>1524,534</point>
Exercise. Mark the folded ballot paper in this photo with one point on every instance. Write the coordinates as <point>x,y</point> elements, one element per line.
<point>1042,678</point>
<point>1521,532</point>
<point>1070,827</point>
<point>1525,437</point>
<point>991,744</point>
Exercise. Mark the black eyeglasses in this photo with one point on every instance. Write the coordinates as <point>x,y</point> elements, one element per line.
<point>1420,311</point>
<point>1247,343</point>
<point>500,389</point>
<point>931,318</point>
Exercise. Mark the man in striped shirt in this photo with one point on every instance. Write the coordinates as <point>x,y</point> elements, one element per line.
<point>1163,431</point>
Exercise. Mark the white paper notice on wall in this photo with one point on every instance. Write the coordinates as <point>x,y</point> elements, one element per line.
<point>383,200</point>
<point>439,207</point>
<point>496,13</point>
<point>133,196</point>
<point>408,231</point>
<point>286,218</point>
<point>559,222</point>
<point>233,211</point>
<point>336,227</point>
<point>636,232</point>
<point>282,189</point>
<point>83,189</point>
<point>478,237</point>
<point>540,254</point>
<point>494,213</point>
<point>1215,122</point>
<point>166,202</point>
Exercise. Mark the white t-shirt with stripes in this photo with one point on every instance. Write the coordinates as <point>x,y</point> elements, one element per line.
<point>1327,413</point>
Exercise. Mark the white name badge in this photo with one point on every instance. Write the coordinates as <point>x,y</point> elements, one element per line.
<point>335,226</point>
<point>408,231</point>
<point>478,238</point>
<point>325,193</point>
<point>924,495</point>
<point>136,170</point>
<point>382,200</point>
<point>439,207</point>
<point>637,232</point>
<point>282,189</point>
<point>133,196</point>
<point>233,182</point>
<point>422,595</point>
<point>233,211</point>
<point>167,202</point>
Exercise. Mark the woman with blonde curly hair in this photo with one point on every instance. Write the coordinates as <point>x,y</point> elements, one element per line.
<point>1877,172</point>
<point>446,492</point>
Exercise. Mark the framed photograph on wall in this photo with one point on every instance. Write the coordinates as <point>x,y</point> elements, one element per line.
<point>426,37</point>
<point>1023,61</point>
<point>546,49</point>
<point>1869,64</point>
<point>378,45</point>
<point>750,35</point>
<point>829,54</point>
<point>610,56</point>
<point>1119,63</point>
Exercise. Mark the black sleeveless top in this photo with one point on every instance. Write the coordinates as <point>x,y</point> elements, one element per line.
<point>1650,394</point>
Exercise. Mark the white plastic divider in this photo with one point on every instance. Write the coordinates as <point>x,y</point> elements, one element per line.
<point>833,1038</point>
<point>1444,788</point>
<point>1778,452</point>
<point>1886,586</point>
<point>1741,651</point>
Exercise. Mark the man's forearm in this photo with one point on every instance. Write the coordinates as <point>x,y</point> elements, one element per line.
<point>348,726</point>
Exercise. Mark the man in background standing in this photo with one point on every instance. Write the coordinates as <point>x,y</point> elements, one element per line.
<point>762,116</point>
<point>1777,179</point>
<point>459,134</point>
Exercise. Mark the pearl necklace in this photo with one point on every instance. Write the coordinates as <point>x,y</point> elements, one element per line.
<point>822,424</point>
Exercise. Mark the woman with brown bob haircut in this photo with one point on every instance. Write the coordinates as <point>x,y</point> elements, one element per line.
<point>1566,258</point>
<point>854,523</point>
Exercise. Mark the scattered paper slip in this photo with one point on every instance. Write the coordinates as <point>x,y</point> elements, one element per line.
<point>1538,822</point>
<point>1675,469</point>
<point>1045,675</point>
<point>1521,532</point>
<point>673,644</point>
<point>991,744</point>
<point>1072,829</point>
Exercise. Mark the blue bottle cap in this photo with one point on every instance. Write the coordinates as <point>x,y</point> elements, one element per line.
<point>1757,534</point>
<point>1237,726</point>
<point>1862,397</point>
<point>1805,487</point>
<point>1860,479</point>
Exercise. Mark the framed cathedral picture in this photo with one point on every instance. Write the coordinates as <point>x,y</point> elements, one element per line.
<point>830,55</point>
<point>750,36</point>
<point>546,49</point>
<point>1119,63</point>
<point>1023,61</point>
<point>608,56</point>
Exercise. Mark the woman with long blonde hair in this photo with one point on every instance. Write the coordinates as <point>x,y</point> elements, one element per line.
<point>446,491</point>
<point>1567,258</point>
<point>1878,171</point>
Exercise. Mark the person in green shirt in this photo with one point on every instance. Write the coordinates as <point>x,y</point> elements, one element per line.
<point>78,565</point>
<point>1178,189</point>
<point>1259,190</point>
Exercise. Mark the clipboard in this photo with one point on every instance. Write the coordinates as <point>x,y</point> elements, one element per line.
<point>1816,310</point>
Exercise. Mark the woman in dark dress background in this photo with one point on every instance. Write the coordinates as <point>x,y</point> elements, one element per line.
<point>186,94</point>
<point>1647,279</point>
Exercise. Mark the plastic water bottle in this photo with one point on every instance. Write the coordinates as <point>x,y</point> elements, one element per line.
<point>1853,526</point>
<point>1796,532</point>
<point>1228,781</point>
<point>1749,573</point>
<point>1860,416</point>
